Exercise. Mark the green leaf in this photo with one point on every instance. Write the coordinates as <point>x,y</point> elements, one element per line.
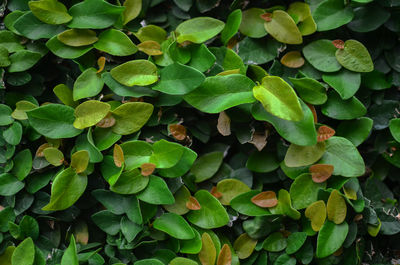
<point>5,258</point>
<point>345,83</point>
<point>331,14</point>
<point>302,12</point>
<point>244,246</point>
<point>232,26</point>
<point>258,51</point>
<point>321,55</point>
<point>166,154</point>
<point>9,184</point>
<point>278,98</point>
<point>316,213</point>
<point>201,57</point>
<point>89,113</point>
<point>183,166</point>
<point>297,156</point>
<point>10,41</point>
<point>181,197</point>
<point>174,225</point>
<point>24,253</point>
<point>64,51</point>
<point>53,121</point>
<point>283,28</point>
<point>310,90</point>
<point>77,37</point>
<point>115,42</point>
<point>394,127</point>
<point>94,14</point>
<point>199,29</point>
<point>125,91</point>
<point>70,256</point>
<point>130,182</point>
<point>230,188</point>
<point>211,214</point>
<point>136,153</point>
<point>13,134</point>
<point>179,79</point>
<point>285,206</point>
<point>275,242</point>
<point>22,164</point>
<point>66,189</point>
<point>23,60</point>
<point>345,158</point>
<point>148,262</point>
<point>182,261</point>
<point>208,253</point>
<point>130,117</point>
<point>219,93</point>
<point>156,192</point>
<point>356,131</point>
<point>50,11</point>
<point>304,191</point>
<point>295,242</point>
<point>80,161</point>
<point>5,115</point>
<point>243,204</point>
<point>88,84</point>
<point>130,229</point>
<point>192,246</point>
<point>368,18</point>
<point>132,10</point>
<point>53,156</point>
<point>262,162</point>
<point>206,166</point>
<point>337,108</point>
<point>336,207</point>
<point>136,72</point>
<point>252,24</point>
<point>330,238</point>
<point>4,60</point>
<point>151,32</point>
<point>21,108</point>
<point>355,57</point>
<point>107,221</point>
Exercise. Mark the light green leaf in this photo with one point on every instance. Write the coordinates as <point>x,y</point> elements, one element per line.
<point>199,29</point>
<point>394,127</point>
<point>77,37</point>
<point>70,256</point>
<point>232,26</point>
<point>279,98</point>
<point>355,57</point>
<point>336,207</point>
<point>346,83</point>
<point>156,192</point>
<point>151,32</point>
<point>24,253</point>
<point>115,42</point>
<point>136,153</point>
<point>321,55</point>
<point>252,24</point>
<point>23,60</point>
<point>53,156</point>
<point>130,182</point>
<point>298,156</point>
<point>132,10</point>
<point>283,28</point>
<point>330,238</point>
<point>304,191</point>
<point>88,84</point>
<point>206,166</point>
<point>130,117</point>
<point>136,72</point>
<point>50,11</point>
<point>230,188</point>
<point>285,206</point>
<point>174,225</point>
<point>89,113</point>
<point>166,154</point>
<point>65,51</point>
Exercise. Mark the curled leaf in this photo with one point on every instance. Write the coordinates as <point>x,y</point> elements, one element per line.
<point>80,161</point>
<point>324,133</point>
<point>214,192</point>
<point>265,199</point>
<point>193,204</point>
<point>101,62</point>
<point>118,155</point>
<point>225,256</point>
<point>321,172</point>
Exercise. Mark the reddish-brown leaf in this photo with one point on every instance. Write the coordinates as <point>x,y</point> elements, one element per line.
<point>324,133</point>
<point>266,16</point>
<point>314,112</point>
<point>225,256</point>
<point>39,151</point>
<point>107,122</point>
<point>214,192</point>
<point>193,204</point>
<point>292,59</point>
<point>101,62</point>
<point>265,199</point>
<point>147,169</point>
<point>178,131</point>
<point>321,172</point>
<point>118,155</point>
<point>338,44</point>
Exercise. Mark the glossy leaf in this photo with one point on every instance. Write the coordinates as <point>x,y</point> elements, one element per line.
<point>331,14</point>
<point>77,37</point>
<point>131,116</point>
<point>244,246</point>
<point>316,212</point>
<point>89,113</point>
<point>70,255</point>
<point>136,72</point>
<point>298,156</point>
<point>283,28</point>
<point>230,188</point>
<point>336,207</point>
<point>24,253</point>
<point>355,57</point>
<point>50,11</point>
<point>330,238</point>
<point>156,192</point>
<point>174,225</point>
<point>304,191</point>
<point>199,29</point>
<point>116,43</point>
<point>208,253</point>
<point>321,55</point>
<point>88,84</point>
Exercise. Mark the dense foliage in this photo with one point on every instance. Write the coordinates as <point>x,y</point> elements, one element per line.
<point>186,132</point>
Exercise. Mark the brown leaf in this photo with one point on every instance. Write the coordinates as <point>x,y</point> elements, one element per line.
<point>232,42</point>
<point>338,44</point>
<point>324,133</point>
<point>118,156</point>
<point>225,256</point>
<point>150,47</point>
<point>101,62</point>
<point>321,172</point>
<point>214,192</point>
<point>338,252</point>
<point>292,59</point>
<point>39,151</point>
<point>314,112</point>
<point>224,124</point>
<point>265,199</point>
<point>107,122</point>
<point>259,140</point>
<point>208,253</point>
<point>193,204</point>
<point>147,169</point>
<point>266,16</point>
<point>178,131</point>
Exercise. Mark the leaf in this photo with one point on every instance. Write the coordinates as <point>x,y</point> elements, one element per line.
<point>331,14</point>
<point>129,182</point>
<point>278,98</point>
<point>344,157</point>
<point>132,10</point>
<point>206,166</point>
<point>292,59</point>
<point>13,134</point>
<point>230,188</point>
<point>219,93</point>
<point>302,12</point>
<point>50,11</point>
<point>77,37</point>
<point>193,204</point>
<point>285,206</point>
<point>23,60</point>
<point>66,189</point>
<point>244,246</point>
<point>150,47</point>
<point>275,242</point>
<point>244,205</point>
<point>94,14</point>
<point>225,256</point>
<point>22,164</point>
<point>304,191</point>
<point>136,153</point>
<point>324,133</point>
<point>10,41</point>
<point>394,127</point>
<point>282,27</point>
<point>232,26</point>
<point>80,161</point>
<point>321,55</point>
<point>265,199</point>
<point>199,29</point>
<point>208,253</point>
<point>339,109</point>
<point>130,229</point>
<point>211,215</point>
<point>178,131</point>
<point>166,154</point>
<point>24,253</point>
<point>297,156</point>
<point>330,238</point>
<point>5,115</point>
<point>355,57</point>
<point>136,72</point>
<point>252,24</point>
<point>345,82</point>
<point>224,124</point>
<point>174,225</point>
<point>151,32</point>
<point>53,121</point>
<point>321,172</point>
<point>182,197</point>
<point>5,258</point>
<point>131,117</point>
<point>147,169</point>
<point>65,51</point>
<point>88,84</point>
<point>4,60</point>
<point>53,156</point>
<point>156,192</point>
<point>118,155</point>
<point>179,79</point>
<point>316,212</point>
<point>89,113</point>
<point>9,184</point>
<point>295,242</point>
<point>336,207</point>
<point>70,256</point>
<point>21,108</point>
<point>310,90</point>
<point>115,42</point>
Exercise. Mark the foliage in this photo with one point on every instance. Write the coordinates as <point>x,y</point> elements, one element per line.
<point>185,132</point>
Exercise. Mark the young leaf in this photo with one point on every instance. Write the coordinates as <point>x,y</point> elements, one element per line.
<point>336,207</point>
<point>265,199</point>
<point>50,11</point>
<point>208,253</point>
<point>24,253</point>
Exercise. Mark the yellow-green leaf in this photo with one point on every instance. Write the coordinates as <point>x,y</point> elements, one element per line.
<point>230,188</point>
<point>132,10</point>
<point>316,212</point>
<point>77,37</point>
<point>89,113</point>
<point>50,11</point>
<point>336,207</point>
<point>244,246</point>
<point>80,161</point>
<point>135,73</point>
<point>283,28</point>
<point>208,253</point>
<point>53,156</point>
